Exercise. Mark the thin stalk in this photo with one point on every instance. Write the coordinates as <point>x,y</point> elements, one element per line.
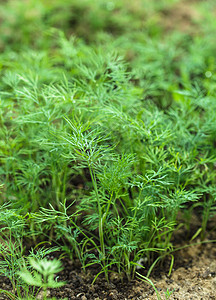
<point>101,236</point>
<point>131,237</point>
<point>45,288</point>
<point>55,183</point>
<point>64,183</point>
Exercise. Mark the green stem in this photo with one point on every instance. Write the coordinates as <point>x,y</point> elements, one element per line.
<point>101,236</point>
<point>64,183</point>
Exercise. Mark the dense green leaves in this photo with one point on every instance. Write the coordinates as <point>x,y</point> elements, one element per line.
<point>107,133</point>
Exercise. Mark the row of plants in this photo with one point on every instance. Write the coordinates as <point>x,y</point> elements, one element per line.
<point>105,140</point>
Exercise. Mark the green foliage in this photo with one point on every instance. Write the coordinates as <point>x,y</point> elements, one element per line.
<point>43,274</point>
<point>12,229</point>
<point>107,133</point>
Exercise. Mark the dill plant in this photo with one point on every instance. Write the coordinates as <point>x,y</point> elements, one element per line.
<point>12,248</point>
<point>137,186</point>
<point>43,274</point>
<point>103,151</point>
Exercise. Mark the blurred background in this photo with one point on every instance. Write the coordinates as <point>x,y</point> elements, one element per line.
<point>29,22</point>
<point>170,42</point>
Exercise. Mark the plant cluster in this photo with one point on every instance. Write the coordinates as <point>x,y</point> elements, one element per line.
<point>105,138</point>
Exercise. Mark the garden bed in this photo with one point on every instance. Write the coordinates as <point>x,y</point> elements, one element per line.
<point>193,276</point>
<point>107,149</point>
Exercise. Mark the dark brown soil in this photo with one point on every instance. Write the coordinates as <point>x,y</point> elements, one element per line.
<point>193,274</point>
<point>193,277</point>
